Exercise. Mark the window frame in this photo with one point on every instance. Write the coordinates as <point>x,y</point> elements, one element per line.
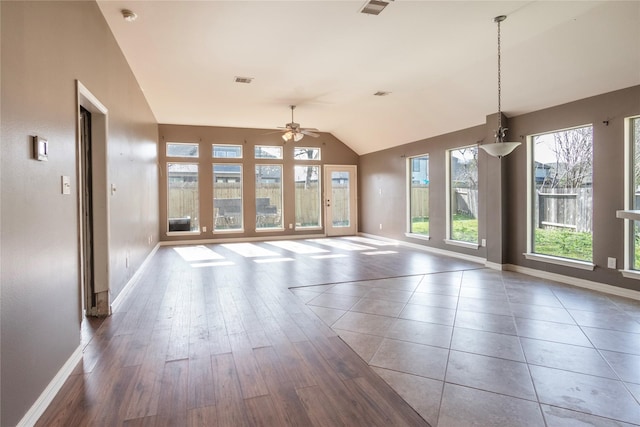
<point>269,159</point>
<point>630,223</point>
<point>281,223</point>
<point>213,151</point>
<point>531,194</point>
<point>195,144</point>
<point>410,170</point>
<point>168,176</point>
<point>213,191</point>
<point>319,198</point>
<point>318,159</point>
<point>448,217</point>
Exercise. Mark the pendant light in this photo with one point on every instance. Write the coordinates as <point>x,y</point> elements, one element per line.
<point>499,148</point>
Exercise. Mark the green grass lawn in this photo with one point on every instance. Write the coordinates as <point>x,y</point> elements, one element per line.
<point>464,228</point>
<point>564,243</point>
<point>560,243</point>
<point>420,225</point>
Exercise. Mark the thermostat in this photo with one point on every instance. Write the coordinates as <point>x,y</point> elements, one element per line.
<point>40,148</point>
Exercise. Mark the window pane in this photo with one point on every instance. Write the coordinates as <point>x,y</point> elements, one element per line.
<point>268,197</point>
<point>307,182</point>
<point>227,197</point>
<point>464,194</point>
<point>306,153</point>
<point>635,135</point>
<point>563,198</point>
<point>227,151</point>
<point>183,197</point>
<point>177,149</point>
<point>419,195</point>
<point>266,152</point>
<point>340,197</point>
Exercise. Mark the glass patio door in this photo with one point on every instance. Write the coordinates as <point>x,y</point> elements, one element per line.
<point>340,200</point>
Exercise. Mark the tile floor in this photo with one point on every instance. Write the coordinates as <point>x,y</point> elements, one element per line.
<point>488,348</point>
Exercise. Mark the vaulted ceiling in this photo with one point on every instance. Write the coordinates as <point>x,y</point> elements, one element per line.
<point>437,60</point>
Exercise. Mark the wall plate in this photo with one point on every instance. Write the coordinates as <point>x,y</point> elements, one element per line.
<point>40,149</point>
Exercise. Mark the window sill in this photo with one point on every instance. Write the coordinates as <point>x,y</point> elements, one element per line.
<point>633,215</point>
<point>266,230</point>
<point>307,228</point>
<point>462,244</point>
<point>566,262</point>
<point>631,274</point>
<point>183,233</point>
<point>418,236</point>
<point>228,231</point>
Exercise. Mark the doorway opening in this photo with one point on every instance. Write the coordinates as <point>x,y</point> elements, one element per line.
<point>93,204</point>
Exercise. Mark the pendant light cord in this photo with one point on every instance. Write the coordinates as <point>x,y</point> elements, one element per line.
<point>499,80</point>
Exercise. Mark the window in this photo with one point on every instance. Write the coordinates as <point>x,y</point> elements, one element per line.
<point>561,164</point>
<point>182,197</point>
<point>268,152</point>
<point>180,149</point>
<point>632,228</point>
<point>462,200</point>
<point>224,151</point>
<point>418,174</point>
<point>268,197</point>
<point>307,182</point>
<point>227,197</point>
<point>306,153</point>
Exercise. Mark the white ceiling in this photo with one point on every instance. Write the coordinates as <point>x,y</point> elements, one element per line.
<point>437,58</point>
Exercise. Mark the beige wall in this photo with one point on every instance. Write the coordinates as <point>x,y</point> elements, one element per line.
<point>334,152</point>
<point>506,234</point>
<point>46,46</point>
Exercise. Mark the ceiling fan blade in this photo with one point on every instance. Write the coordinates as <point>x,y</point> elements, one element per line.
<point>307,132</point>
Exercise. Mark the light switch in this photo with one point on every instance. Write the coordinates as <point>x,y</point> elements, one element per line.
<point>66,185</point>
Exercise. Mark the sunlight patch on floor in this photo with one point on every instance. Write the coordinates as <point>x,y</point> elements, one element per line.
<point>249,250</point>
<point>339,244</point>
<point>268,260</point>
<point>297,247</point>
<point>197,253</point>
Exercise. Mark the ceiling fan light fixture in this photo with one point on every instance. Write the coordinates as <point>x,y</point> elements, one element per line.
<point>499,148</point>
<point>287,136</point>
<point>297,136</point>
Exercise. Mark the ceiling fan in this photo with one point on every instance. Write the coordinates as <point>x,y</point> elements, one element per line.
<point>294,131</point>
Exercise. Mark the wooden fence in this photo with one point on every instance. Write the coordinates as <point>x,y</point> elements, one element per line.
<point>562,208</point>
<point>184,201</point>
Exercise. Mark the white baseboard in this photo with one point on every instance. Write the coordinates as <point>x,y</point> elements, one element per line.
<point>46,397</point>
<point>495,266</point>
<point>240,239</point>
<point>438,251</point>
<point>134,279</point>
<point>574,281</point>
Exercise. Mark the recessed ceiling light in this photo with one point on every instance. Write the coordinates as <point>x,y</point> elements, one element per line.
<point>128,15</point>
<point>381,93</point>
<point>374,7</point>
<point>238,79</point>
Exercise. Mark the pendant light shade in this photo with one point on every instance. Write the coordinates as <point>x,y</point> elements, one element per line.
<point>499,148</point>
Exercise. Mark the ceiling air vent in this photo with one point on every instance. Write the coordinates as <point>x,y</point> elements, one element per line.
<point>238,79</point>
<point>374,7</point>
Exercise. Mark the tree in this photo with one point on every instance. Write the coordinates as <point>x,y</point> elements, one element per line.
<point>573,167</point>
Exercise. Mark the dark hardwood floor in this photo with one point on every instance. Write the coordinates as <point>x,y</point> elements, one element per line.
<point>212,336</point>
